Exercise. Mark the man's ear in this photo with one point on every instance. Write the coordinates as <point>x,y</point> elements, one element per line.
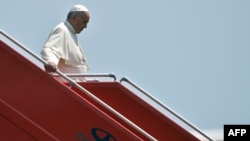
<point>73,18</point>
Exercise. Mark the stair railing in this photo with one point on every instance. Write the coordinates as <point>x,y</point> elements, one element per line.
<point>73,83</point>
<point>165,107</point>
<point>110,75</point>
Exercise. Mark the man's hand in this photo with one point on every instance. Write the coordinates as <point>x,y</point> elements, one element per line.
<point>50,67</point>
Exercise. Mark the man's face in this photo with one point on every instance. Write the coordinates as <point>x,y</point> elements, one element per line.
<point>80,21</point>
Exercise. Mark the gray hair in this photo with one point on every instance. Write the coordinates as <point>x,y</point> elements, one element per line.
<point>73,13</point>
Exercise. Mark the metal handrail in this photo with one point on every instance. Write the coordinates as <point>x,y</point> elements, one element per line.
<point>72,82</point>
<point>22,46</point>
<point>166,108</point>
<point>89,75</point>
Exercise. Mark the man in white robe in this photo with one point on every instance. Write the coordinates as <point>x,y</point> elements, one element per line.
<point>62,50</point>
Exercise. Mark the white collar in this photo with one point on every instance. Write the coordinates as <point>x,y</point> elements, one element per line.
<point>70,27</point>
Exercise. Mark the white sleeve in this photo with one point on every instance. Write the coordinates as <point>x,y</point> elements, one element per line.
<point>53,48</point>
<point>49,56</point>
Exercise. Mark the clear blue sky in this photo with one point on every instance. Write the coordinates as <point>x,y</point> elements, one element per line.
<point>193,55</point>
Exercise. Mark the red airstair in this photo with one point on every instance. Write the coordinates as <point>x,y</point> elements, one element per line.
<point>34,105</point>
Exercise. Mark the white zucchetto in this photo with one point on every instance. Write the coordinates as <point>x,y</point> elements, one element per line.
<point>79,8</point>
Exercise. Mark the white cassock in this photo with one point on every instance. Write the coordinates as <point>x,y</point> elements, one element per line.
<point>63,49</point>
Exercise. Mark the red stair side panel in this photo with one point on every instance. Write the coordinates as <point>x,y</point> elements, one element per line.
<point>138,111</point>
<point>51,105</point>
<point>17,133</point>
<point>16,126</point>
